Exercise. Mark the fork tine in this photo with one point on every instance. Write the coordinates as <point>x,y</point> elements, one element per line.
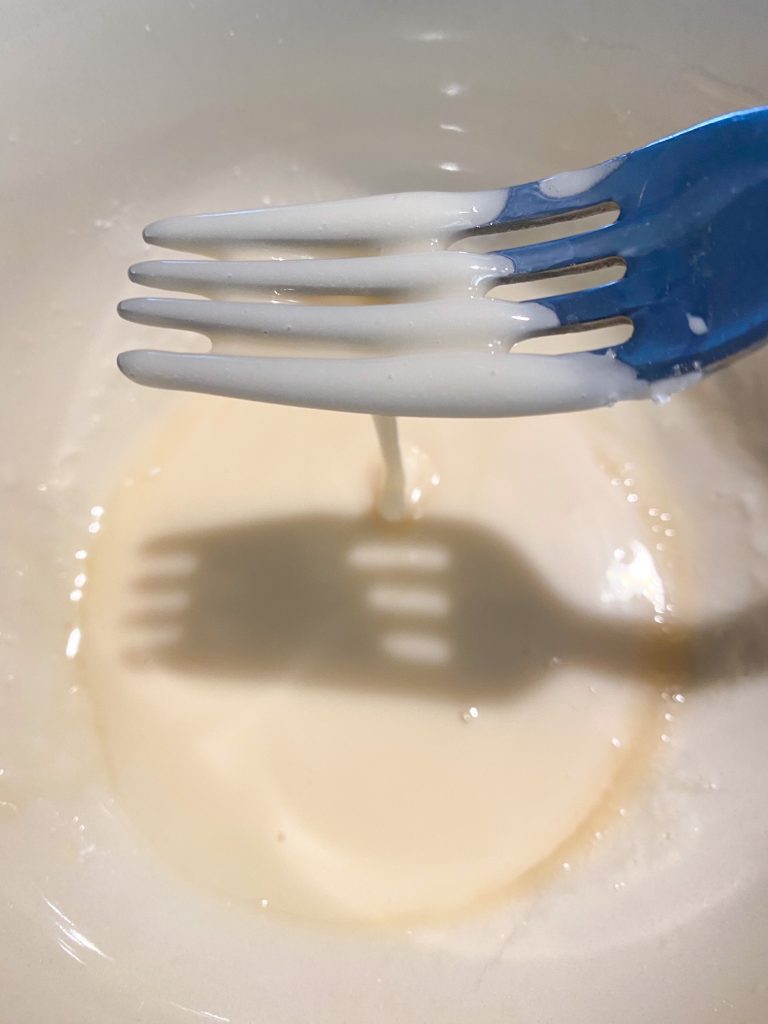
<point>563,196</point>
<point>618,300</point>
<point>397,221</point>
<point>601,246</point>
<point>401,220</point>
<point>458,323</point>
<point>427,275</point>
<point>454,384</point>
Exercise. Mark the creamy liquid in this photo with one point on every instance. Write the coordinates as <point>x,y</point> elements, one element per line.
<point>398,221</point>
<point>337,718</point>
<point>393,502</point>
<point>408,474</point>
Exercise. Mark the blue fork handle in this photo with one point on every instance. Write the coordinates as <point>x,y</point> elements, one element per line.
<point>693,232</point>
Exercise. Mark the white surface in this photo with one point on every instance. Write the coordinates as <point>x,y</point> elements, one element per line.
<point>297,104</point>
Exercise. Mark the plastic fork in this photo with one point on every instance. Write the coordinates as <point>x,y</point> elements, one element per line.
<point>692,232</point>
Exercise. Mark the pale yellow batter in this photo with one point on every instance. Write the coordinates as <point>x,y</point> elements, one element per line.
<point>346,719</point>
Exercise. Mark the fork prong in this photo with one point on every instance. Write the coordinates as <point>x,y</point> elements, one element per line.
<point>402,220</point>
<point>454,384</point>
<point>426,275</point>
<point>458,323</point>
<point>396,222</point>
<point>563,196</point>
<point>603,245</point>
<point>614,301</point>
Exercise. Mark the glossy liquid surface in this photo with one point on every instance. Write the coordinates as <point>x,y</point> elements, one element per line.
<point>341,718</point>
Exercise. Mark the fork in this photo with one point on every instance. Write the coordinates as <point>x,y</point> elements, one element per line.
<point>691,232</point>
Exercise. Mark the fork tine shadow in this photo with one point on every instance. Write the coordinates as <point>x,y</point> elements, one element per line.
<point>438,606</point>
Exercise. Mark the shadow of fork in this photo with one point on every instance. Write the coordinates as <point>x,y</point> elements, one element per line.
<point>439,607</point>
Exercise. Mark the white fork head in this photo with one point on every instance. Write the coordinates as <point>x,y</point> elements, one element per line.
<point>431,357</point>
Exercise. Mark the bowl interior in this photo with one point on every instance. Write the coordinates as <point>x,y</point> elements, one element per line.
<point>114,115</point>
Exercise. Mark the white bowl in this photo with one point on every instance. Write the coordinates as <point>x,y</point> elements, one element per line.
<point>115,114</point>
